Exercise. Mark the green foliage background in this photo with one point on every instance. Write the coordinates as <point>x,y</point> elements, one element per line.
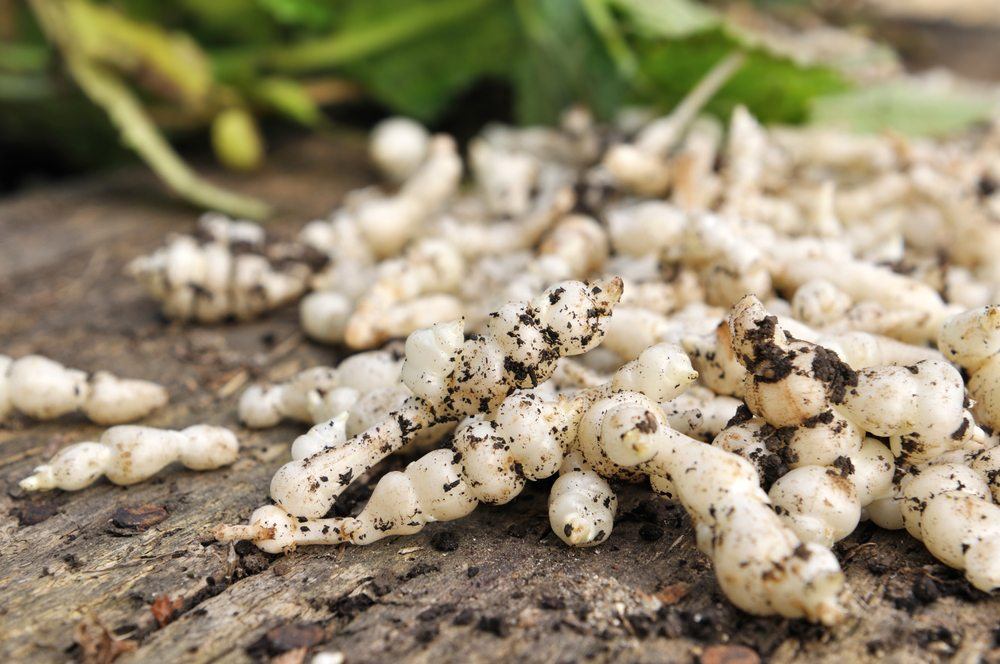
<point>158,68</point>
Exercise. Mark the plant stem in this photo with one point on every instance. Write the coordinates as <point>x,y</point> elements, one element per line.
<point>361,42</point>
<point>706,88</point>
<point>139,133</point>
<point>138,130</point>
<point>604,24</point>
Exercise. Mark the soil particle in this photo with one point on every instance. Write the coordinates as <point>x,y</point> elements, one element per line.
<point>163,609</point>
<point>432,613</point>
<point>283,638</point>
<point>72,562</point>
<point>640,624</point>
<point>552,603</point>
<point>703,625</point>
<point>138,518</point>
<point>770,363</point>
<point>350,606</point>
<point>673,593</point>
<point>444,541</point>
<point>382,584</point>
<point>806,631</point>
<point>986,186</point>
<point>952,583</point>
<point>650,532</point>
<point>269,339</point>
<point>33,512</point>
<point>778,442</point>
<point>644,512</point>
<point>419,569</point>
<point>495,625</point>
<point>647,424</point>
<point>844,465</point>
<point>251,560</point>
<point>426,633</point>
<point>742,415</point>
<point>464,617</point>
<point>925,590</point>
<point>95,643</point>
<point>772,468</point>
<point>837,375</point>
<point>939,640</point>
<point>517,531</point>
<point>877,567</point>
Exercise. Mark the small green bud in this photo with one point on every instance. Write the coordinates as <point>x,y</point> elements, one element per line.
<point>236,140</point>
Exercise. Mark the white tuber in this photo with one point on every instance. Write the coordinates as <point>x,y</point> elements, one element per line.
<point>398,146</point>
<point>822,504</point>
<point>388,223</point>
<point>582,504</point>
<point>700,413</point>
<point>331,433</point>
<point>490,463</point>
<point>818,503</point>
<point>921,408</point>
<point>947,505</point>
<point>925,482</point>
<point>128,454</point>
<point>408,293</point>
<point>796,386</point>
<point>44,389</point>
<point>265,405</point>
<point>324,315</point>
<point>225,271</point>
<point>972,341</point>
<point>963,531</point>
<point>505,177</point>
<point>451,379</point>
<point>919,308</point>
<point>760,564</point>
<point>823,405</point>
<point>528,438</point>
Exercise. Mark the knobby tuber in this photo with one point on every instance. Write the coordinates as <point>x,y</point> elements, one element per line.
<point>44,389</point>
<point>451,378</point>
<point>128,454</point>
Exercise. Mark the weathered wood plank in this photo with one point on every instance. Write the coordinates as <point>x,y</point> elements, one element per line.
<point>503,587</point>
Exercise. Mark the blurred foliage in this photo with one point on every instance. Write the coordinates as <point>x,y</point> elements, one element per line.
<point>909,107</point>
<point>158,67</point>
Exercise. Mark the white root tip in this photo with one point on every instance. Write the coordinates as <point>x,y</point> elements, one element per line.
<point>247,531</point>
<point>40,480</point>
<point>580,532</point>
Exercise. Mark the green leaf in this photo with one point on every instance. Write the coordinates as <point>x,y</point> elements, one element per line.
<point>24,57</point>
<point>314,14</point>
<point>774,89</point>
<point>562,61</point>
<point>287,97</point>
<point>668,18</point>
<point>421,76</point>
<point>369,28</point>
<point>909,106</point>
<point>604,24</point>
<point>239,23</point>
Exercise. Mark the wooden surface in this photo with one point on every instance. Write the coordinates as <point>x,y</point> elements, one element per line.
<point>496,585</point>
